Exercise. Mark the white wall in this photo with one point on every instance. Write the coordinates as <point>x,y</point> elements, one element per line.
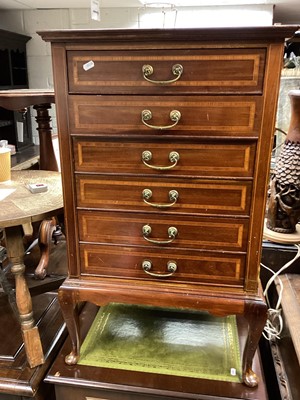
<point>39,55</point>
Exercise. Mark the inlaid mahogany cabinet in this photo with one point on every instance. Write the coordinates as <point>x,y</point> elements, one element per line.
<point>165,140</point>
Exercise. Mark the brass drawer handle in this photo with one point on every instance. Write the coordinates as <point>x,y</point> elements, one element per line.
<point>173,197</point>
<point>177,70</point>
<point>175,116</point>
<point>173,157</point>
<point>172,233</point>
<point>171,268</point>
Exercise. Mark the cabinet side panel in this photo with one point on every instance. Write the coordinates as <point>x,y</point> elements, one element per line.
<point>262,165</point>
<point>61,90</point>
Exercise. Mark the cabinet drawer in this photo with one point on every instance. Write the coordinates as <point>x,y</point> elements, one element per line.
<point>176,231</point>
<point>195,267</point>
<point>128,157</point>
<point>185,115</point>
<point>194,71</point>
<point>149,194</point>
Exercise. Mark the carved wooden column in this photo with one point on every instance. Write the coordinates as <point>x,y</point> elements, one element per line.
<point>47,155</point>
<point>284,196</point>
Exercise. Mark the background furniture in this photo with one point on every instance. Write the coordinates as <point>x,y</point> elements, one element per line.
<point>167,131</point>
<point>40,99</point>
<point>13,63</point>
<point>279,356</point>
<point>19,208</point>
<point>17,380</point>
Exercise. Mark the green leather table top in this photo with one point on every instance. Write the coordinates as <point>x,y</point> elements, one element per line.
<point>163,341</point>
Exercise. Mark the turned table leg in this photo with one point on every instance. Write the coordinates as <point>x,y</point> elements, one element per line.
<point>256,316</point>
<point>70,313</point>
<point>47,156</point>
<point>30,333</point>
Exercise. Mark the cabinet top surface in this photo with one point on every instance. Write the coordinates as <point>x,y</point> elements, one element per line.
<point>271,33</point>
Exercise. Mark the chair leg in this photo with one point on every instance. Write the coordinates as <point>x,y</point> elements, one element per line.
<point>47,228</point>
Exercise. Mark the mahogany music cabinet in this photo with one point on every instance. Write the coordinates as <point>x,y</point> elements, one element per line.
<point>165,139</point>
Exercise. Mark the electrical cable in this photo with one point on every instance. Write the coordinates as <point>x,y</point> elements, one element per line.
<point>274,323</point>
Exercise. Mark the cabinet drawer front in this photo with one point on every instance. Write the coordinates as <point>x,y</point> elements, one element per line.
<point>194,195</point>
<point>163,230</point>
<point>128,157</point>
<point>195,267</point>
<point>201,71</point>
<point>198,116</point>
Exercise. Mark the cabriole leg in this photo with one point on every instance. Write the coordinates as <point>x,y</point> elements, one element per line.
<point>256,315</point>
<point>70,313</point>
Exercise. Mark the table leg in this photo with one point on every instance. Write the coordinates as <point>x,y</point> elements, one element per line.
<point>47,156</point>
<point>30,333</point>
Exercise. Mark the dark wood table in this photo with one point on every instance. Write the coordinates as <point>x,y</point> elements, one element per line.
<point>20,208</point>
<point>40,99</point>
